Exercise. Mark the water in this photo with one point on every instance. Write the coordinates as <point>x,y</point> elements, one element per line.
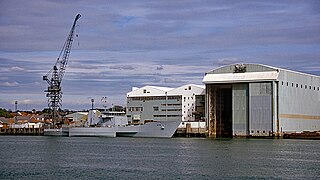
<point>41,157</point>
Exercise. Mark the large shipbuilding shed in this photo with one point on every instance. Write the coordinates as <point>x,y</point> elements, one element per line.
<point>259,100</point>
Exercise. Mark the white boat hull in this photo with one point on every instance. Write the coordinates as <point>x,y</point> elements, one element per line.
<point>92,131</point>
<point>158,129</point>
<point>163,129</point>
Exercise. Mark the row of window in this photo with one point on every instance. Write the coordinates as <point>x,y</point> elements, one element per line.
<point>184,98</point>
<point>155,108</point>
<point>135,109</point>
<point>171,110</point>
<point>174,97</point>
<point>301,86</point>
<point>188,105</point>
<point>167,115</point>
<point>170,104</point>
<point>149,98</point>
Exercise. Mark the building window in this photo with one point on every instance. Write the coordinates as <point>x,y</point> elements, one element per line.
<point>297,85</point>
<point>287,83</point>
<point>309,87</point>
<point>156,108</point>
<point>144,91</point>
<point>301,86</point>
<point>159,115</point>
<point>173,109</point>
<point>135,109</point>
<point>305,86</point>
<point>174,97</point>
<point>189,87</point>
<point>292,84</point>
<point>282,83</point>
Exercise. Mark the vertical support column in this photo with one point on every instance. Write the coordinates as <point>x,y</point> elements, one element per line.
<point>212,111</point>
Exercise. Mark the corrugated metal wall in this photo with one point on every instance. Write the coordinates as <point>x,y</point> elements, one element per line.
<point>240,109</point>
<point>299,102</point>
<point>260,103</point>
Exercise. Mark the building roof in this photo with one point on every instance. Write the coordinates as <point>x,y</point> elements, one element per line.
<point>158,90</point>
<point>248,68</point>
<point>161,88</point>
<point>194,89</point>
<point>240,77</point>
<point>245,73</point>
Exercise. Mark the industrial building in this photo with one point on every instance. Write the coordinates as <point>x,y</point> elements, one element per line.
<point>259,100</point>
<point>153,103</point>
<point>77,119</point>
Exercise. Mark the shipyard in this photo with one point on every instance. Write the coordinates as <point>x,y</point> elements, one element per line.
<point>151,89</point>
<point>234,100</point>
<point>239,100</point>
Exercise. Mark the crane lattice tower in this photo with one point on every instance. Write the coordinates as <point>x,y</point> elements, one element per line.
<point>54,92</point>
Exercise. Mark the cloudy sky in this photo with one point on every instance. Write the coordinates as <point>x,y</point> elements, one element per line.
<point>122,44</point>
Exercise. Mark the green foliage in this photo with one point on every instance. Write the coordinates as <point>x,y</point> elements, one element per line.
<point>46,110</point>
<point>5,113</point>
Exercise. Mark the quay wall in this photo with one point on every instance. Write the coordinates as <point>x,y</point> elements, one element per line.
<point>28,131</point>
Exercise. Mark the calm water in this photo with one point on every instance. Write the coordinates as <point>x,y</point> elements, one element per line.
<point>43,157</point>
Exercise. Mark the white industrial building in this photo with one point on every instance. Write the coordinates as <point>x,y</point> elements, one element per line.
<point>259,100</point>
<point>153,103</point>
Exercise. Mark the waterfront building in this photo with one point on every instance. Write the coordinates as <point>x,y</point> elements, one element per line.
<point>259,100</point>
<point>77,118</point>
<point>154,103</point>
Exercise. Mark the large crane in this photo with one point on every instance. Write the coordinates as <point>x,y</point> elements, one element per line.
<point>54,92</point>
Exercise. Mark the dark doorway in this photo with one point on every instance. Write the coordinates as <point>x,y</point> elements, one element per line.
<point>224,111</point>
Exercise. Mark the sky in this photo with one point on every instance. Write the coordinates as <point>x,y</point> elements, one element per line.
<point>125,44</point>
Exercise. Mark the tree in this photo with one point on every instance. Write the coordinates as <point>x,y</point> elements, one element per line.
<point>5,113</point>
